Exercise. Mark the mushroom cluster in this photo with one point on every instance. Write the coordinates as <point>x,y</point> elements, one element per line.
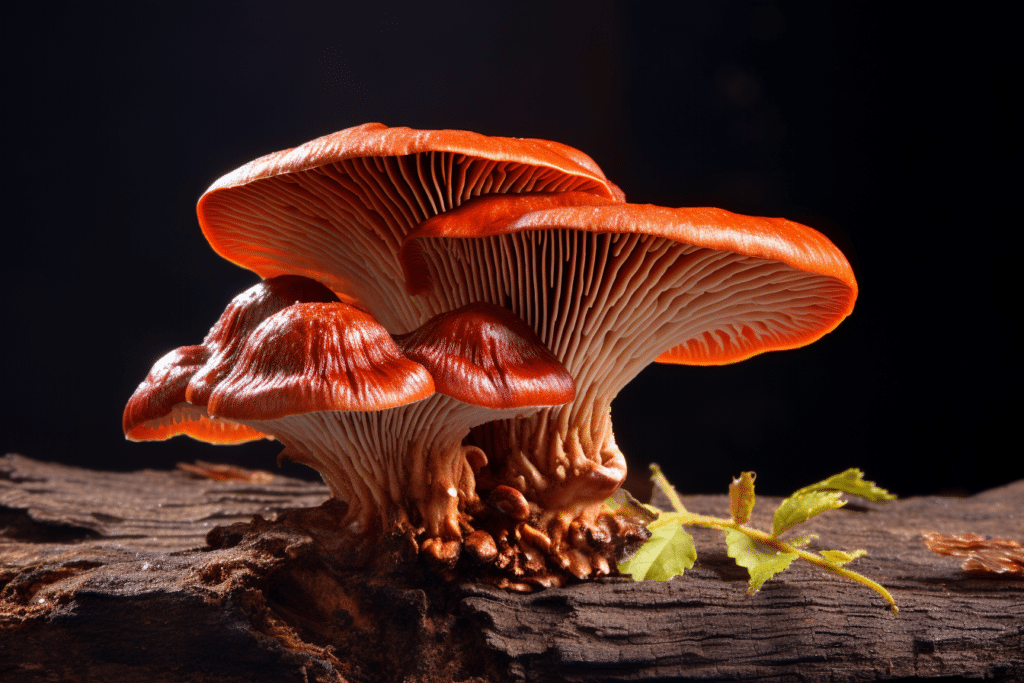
<point>444,320</point>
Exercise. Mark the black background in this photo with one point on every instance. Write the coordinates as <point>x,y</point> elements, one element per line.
<point>892,133</point>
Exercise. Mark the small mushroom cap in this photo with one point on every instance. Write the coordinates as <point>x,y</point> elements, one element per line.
<point>158,410</point>
<point>172,400</point>
<point>241,317</point>
<point>487,356</point>
<point>318,357</point>
<point>811,312</point>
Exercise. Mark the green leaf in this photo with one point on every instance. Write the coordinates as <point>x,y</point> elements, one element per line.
<point>668,552</point>
<point>842,556</point>
<point>826,495</point>
<point>741,497</point>
<point>803,505</point>
<point>766,570</point>
<point>761,561</point>
<point>852,481</point>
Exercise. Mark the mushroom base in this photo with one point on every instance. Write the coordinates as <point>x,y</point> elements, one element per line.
<point>544,520</point>
<point>519,556</point>
<point>523,507</point>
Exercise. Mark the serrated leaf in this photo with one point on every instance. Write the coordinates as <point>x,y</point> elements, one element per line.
<point>741,497</point>
<point>852,481</point>
<point>668,552</point>
<point>842,556</point>
<point>746,551</point>
<point>766,570</point>
<point>762,562</point>
<point>803,505</point>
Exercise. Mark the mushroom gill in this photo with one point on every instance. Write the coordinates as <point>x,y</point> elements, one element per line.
<point>337,208</point>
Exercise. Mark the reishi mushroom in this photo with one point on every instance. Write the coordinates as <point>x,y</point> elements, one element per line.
<point>457,249</point>
<point>609,288</point>
<point>328,381</point>
<point>385,427</point>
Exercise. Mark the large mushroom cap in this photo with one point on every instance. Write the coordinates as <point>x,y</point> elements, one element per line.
<point>609,288</point>
<point>314,357</point>
<point>742,285</point>
<point>556,162</point>
<point>337,208</point>
<point>485,355</point>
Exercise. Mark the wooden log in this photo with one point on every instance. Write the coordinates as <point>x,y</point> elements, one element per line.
<point>161,576</point>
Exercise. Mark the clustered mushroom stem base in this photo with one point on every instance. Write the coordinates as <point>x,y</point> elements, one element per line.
<point>422,477</point>
<point>565,462</point>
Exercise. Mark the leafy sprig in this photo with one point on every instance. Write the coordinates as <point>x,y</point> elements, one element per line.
<point>670,551</point>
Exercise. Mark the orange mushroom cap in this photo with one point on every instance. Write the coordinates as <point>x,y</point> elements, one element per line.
<point>337,208</point>
<point>243,315</point>
<point>811,309</point>
<point>158,409</point>
<point>378,140</point>
<point>314,357</point>
<point>172,399</point>
<point>485,355</point>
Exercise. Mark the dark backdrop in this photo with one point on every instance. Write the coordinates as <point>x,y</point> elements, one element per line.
<point>889,132</point>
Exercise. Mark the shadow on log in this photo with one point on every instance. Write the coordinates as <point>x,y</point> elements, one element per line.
<point>166,576</point>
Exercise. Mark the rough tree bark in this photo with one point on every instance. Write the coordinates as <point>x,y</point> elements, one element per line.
<point>160,576</point>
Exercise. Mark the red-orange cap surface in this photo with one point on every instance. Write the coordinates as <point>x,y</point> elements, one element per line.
<point>485,355</point>
<point>378,140</point>
<point>336,209</point>
<point>158,410</point>
<point>241,317</point>
<point>317,357</point>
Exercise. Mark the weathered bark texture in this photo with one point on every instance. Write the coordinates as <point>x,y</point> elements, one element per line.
<point>113,577</point>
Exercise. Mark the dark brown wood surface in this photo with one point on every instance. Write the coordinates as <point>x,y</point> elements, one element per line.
<point>116,577</point>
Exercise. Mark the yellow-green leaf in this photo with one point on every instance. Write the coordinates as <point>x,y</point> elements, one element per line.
<point>842,556</point>
<point>852,481</point>
<point>668,552</point>
<point>766,570</point>
<point>741,497</point>
<point>762,562</point>
<point>803,505</point>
